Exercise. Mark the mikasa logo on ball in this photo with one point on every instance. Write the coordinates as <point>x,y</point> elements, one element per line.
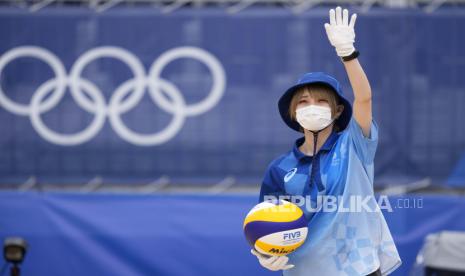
<point>290,174</point>
<point>280,251</point>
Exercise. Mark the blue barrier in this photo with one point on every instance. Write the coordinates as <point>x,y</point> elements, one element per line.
<point>122,234</point>
<point>415,73</point>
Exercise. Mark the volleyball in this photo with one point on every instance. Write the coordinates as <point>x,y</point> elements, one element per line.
<point>275,229</point>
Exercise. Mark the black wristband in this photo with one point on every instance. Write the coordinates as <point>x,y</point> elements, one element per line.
<point>352,56</point>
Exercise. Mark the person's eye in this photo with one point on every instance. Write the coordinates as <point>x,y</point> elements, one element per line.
<point>322,101</point>
<point>302,101</point>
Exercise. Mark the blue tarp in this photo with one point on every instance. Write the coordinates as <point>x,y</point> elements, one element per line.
<point>414,61</point>
<point>177,235</point>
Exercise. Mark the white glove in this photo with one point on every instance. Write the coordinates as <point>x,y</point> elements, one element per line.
<point>340,32</point>
<point>273,263</point>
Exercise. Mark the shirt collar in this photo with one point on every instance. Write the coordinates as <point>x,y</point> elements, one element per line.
<point>327,146</point>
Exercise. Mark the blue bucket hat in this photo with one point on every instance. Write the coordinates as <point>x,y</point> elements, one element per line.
<point>310,78</point>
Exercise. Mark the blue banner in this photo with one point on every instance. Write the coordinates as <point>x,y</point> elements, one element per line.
<point>123,234</point>
<point>132,95</point>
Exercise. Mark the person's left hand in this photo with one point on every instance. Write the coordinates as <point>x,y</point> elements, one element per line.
<point>273,263</point>
<point>340,32</point>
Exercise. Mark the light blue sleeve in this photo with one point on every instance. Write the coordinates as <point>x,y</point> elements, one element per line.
<point>365,147</point>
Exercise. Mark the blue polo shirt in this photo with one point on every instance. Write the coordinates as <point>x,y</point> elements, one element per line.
<point>355,242</point>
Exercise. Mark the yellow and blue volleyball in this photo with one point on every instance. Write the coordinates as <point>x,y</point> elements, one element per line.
<point>275,229</point>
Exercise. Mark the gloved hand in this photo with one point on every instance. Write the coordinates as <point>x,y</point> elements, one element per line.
<point>273,263</point>
<point>340,32</point>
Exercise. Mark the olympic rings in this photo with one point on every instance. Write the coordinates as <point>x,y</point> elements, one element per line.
<point>132,91</point>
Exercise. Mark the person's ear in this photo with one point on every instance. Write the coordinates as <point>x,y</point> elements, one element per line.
<point>339,110</point>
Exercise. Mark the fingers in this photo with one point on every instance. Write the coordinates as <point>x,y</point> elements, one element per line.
<point>280,262</point>
<point>273,263</point>
<point>338,16</point>
<point>289,266</point>
<point>341,17</point>
<point>327,27</point>
<point>254,252</point>
<point>345,17</point>
<point>332,17</point>
<point>352,20</point>
<point>269,261</point>
<point>259,255</point>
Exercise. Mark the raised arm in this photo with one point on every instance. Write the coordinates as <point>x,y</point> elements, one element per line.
<point>341,35</point>
<point>362,95</point>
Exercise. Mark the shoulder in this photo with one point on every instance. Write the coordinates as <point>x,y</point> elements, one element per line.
<point>353,132</point>
<point>364,147</point>
<point>275,163</point>
<point>354,129</point>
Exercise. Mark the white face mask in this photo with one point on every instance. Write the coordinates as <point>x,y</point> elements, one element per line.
<point>314,117</point>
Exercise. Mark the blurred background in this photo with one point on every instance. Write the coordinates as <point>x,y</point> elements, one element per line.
<point>135,134</point>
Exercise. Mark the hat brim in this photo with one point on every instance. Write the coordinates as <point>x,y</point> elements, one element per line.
<point>285,102</point>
